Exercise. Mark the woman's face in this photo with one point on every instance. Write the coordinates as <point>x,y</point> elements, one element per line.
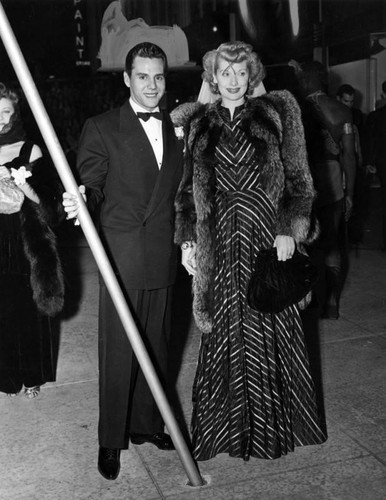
<point>6,111</point>
<point>232,80</point>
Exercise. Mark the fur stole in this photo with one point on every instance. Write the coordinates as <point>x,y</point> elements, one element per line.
<point>39,240</point>
<point>273,125</point>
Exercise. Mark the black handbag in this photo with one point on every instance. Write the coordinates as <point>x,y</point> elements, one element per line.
<point>275,285</point>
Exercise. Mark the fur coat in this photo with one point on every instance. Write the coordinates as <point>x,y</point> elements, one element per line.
<point>38,239</point>
<point>273,124</point>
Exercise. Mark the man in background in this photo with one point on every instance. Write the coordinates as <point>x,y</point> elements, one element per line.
<point>346,95</point>
<point>382,100</point>
<point>330,142</point>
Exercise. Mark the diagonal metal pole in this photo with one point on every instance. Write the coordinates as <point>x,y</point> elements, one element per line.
<point>105,268</point>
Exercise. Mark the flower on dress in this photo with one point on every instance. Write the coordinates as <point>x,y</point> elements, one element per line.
<point>20,175</point>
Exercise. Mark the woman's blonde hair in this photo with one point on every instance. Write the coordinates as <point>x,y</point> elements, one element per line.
<point>233,52</point>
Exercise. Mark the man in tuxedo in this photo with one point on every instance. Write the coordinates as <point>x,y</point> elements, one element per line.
<point>130,162</point>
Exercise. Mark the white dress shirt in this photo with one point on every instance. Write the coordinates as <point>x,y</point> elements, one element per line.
<point>153,129</point>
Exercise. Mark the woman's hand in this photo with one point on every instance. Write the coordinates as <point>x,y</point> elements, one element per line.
<point>19,177</point>
<point>188,258</point>
<point>285,246</point>
<point>71,205</point>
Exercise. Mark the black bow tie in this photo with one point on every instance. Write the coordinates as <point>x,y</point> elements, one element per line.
<point>146,116</point>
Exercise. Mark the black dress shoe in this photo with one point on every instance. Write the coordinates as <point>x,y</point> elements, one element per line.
<point>108,462</point>
<point>160,439</point>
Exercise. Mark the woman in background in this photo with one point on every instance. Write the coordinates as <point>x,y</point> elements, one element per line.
<point>246,187</point>
<point>31,283</point>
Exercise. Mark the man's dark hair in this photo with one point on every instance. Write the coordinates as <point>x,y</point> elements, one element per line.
<point>314,70</point>
<point>384,87</point>
<point>345,89</point>
<point>148,50</point>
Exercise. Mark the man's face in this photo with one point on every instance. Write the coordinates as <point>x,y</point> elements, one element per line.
<point>147,82</point>
<point>347,99</point>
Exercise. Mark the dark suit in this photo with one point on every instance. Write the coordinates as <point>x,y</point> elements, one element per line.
<point>117,165</point>
<point>330,148</point>
<point>375,154</point>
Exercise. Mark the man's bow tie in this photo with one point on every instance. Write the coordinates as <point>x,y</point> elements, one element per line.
<point>146,116</point>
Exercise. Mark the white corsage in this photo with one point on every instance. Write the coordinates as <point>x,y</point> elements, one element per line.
<point>20,175</point>
<point>179,131</point>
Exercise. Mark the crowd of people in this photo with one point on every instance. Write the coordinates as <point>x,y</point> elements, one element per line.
<point>239,171</point>
<point>69,102</point>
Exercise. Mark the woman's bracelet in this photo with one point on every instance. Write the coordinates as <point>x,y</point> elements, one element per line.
<point>186,244</point>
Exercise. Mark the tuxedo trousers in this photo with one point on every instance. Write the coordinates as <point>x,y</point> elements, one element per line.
<point>126,405</point>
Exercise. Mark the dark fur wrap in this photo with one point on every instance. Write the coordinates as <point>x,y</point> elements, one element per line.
<point>39,240</point>
<point>273,124</point>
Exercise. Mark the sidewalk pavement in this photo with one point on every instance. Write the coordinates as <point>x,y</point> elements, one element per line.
<point>49,444</point>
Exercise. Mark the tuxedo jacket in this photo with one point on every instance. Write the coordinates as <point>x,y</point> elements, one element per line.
<point>134,199</point>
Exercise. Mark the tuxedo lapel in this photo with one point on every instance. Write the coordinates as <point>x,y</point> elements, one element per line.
<point>133,132</point>
<point>160,180</point>
<point>172,154</point>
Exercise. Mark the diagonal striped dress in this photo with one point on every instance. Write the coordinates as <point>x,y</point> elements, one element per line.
<point>253,394</point>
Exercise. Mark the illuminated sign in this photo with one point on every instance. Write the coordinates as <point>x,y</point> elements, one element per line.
<point>81,50</point>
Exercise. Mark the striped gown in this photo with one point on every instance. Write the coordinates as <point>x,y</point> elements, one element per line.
<point>252,394</point>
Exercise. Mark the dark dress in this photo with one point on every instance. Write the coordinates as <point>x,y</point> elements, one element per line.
<point>253,394</point>
<point>26,355</point>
